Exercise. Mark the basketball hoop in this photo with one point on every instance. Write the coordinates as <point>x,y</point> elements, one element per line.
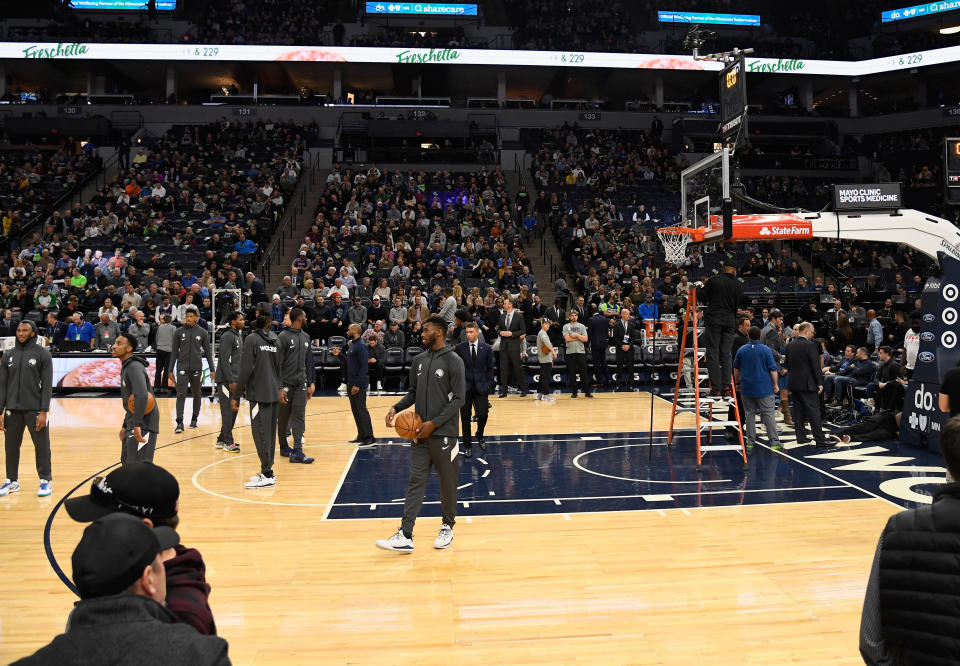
<point>675,241</point>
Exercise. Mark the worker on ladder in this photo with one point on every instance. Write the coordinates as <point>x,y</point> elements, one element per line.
<point>722,294</point>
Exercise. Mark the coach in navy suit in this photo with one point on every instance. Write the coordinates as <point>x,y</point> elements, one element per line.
<point>477,358</point>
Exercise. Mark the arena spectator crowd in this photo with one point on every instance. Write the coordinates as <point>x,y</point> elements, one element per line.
<point>191,212</point>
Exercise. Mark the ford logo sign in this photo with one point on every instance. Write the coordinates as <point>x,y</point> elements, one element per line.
<point>925,357</point>
<point>928,318</point>
<point>927,337</point>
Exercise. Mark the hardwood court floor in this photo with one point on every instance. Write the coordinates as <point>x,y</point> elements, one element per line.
<point>763,584</point>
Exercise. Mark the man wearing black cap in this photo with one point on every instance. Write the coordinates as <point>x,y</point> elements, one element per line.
<point>191,344</point>
<point>121,619</point>
<point>26,384</point>
<point>151,493</point>
<point>139,432</point>
<point>259,377</point>
<point>722,293</point>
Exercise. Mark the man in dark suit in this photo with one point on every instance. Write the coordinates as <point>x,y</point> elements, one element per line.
<point>625,336</point>
<point>477,358</point>
<point>511,330</point>
<point>805,384</point>
<point>598,332</point>
<point>557,317</point>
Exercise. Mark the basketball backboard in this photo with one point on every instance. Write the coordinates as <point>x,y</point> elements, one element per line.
<point>703,188</point>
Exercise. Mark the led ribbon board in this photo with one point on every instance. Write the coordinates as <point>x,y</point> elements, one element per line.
<point>120,5</point>
<point>710,19</point>
<point>917,11</point>
<point>454,56</point>
<point>421,9</point>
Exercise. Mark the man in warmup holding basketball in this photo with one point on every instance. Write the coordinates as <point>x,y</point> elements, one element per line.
<point>141,423</point>
<point>26,385</point>
<point>437,389</point>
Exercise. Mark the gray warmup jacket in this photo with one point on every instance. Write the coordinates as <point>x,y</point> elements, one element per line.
<point>134,380</point>
<point>260,368</point>
<point>228,357</point>
<point>26,377</point>
<point>296,359</point>
<point>191,344</point>
<point>438,388</point>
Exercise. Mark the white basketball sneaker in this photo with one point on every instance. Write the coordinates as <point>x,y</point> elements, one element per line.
<point>397,542</point>
<point>261,481</point>
<point>9,487</point>
<point>46,488</point>
<point>444,538</point>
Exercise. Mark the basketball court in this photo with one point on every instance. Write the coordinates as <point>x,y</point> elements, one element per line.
<point>580,539</point>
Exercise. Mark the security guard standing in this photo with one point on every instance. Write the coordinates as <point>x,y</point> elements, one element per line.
<point>259,377</point>
<point>191,344</point>
<point>297,377</point>
<point>26,384</point>
<point>228,367</point>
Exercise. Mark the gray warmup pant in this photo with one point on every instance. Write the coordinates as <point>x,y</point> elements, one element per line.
<point>263,424</point>
<point>767,409</point>
<point>294,414</point>
<point>443,454</point>
<point>130,451</point>
<point>227,416</point>
<point>193,379</point>
<point>15,420</point>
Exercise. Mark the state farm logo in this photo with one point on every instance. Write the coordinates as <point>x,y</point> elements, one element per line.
<point>786,231</point>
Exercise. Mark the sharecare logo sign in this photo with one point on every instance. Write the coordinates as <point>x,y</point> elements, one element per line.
<point>770,227</point>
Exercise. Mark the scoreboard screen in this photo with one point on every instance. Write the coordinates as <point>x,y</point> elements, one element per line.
<point>733,99</point>
<point>951,169</point>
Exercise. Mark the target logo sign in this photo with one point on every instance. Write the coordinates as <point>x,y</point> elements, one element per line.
<point>950,316</point>
<point>950,293</point>
<point>948,340</point>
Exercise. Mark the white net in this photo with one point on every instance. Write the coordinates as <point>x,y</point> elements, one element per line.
<point>675,241</point>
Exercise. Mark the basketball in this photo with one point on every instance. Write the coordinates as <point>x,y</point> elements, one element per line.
<point>151,403</point>
<point>407,423</point>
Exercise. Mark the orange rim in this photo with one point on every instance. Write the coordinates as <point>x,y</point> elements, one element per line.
<point>695,234</point>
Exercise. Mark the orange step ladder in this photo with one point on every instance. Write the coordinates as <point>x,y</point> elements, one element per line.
<point>702,403</point>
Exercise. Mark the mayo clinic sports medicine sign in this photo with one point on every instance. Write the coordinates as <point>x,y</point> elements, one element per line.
<point>487,57</point>
<point>880,196</point>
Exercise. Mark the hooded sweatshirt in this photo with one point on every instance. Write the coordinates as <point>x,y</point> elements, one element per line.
<point>259,368</point>
<point>26,376</point>
<point>134,381</point>
<point>437,388</point>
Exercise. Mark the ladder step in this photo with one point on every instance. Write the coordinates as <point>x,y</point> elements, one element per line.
<point>716,399</point>
<point>720,447</point>
<point>719,424</point>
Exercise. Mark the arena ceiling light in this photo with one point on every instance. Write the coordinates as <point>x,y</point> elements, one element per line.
<point>952,30</point>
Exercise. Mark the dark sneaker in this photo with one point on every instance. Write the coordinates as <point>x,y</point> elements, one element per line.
<point>298,456</point>
<point>178,429</point>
